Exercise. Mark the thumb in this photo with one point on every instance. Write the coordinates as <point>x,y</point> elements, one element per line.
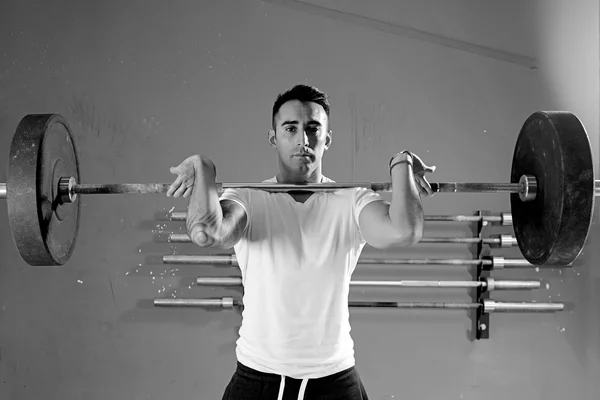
<point>430,169</point>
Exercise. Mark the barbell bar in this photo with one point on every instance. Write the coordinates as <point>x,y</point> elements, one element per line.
<point>490,262</point>
<point>504,218</point>
<point>487,306</point>
<point>503,241</point>
<point>552,188</point>
<point>69,187</point>
<point>487,284</point>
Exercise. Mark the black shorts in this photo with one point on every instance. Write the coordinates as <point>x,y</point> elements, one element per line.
<point>249,384</point>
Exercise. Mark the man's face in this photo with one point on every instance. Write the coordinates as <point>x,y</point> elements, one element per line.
<point>301,135</point>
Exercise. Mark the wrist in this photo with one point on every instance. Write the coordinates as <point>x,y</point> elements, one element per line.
<point>403,157</point>
<point>205,169</point>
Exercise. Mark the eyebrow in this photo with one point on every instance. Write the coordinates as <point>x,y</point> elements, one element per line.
<point>293,122</point>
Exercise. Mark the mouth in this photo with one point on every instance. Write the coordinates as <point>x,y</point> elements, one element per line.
<point>303,155</point>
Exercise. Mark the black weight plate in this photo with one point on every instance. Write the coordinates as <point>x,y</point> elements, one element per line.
<point>42,151</point>
<point>555,148</point>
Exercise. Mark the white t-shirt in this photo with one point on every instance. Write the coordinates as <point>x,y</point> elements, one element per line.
<point>296,261</point>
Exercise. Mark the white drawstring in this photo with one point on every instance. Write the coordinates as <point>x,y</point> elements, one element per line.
<point>300,393</point>
<point>281,388</point>
<point>302,388</point>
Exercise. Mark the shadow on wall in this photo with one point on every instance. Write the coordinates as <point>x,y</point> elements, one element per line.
<point>567,43</point>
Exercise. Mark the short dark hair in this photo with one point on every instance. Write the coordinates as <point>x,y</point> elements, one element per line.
<point>304,94</point>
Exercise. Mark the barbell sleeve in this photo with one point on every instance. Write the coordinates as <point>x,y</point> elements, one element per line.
<point>486,283</point>
<point>494,241</point>
<point>2,190</point>
<point>488,306</point>
<point>231,259</point>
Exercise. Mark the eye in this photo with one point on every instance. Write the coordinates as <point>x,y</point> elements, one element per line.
<point>291,128</point>
<point>312,129</point>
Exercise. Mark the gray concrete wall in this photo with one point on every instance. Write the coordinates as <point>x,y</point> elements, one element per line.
<point>145,84</point>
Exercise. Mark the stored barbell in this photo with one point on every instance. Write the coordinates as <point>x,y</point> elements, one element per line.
<point>503,218</point>
<point>552,189</point>
<point>486,306</point>
<point>487,284</point>
<point>488,262</point>
<point>503,241</point>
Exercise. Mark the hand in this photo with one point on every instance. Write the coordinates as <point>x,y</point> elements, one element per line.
<point>186,175</point>
<point>419,171</point>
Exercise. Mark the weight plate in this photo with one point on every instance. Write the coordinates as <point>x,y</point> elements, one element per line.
<point>42,151</point>
<point>555,148</point>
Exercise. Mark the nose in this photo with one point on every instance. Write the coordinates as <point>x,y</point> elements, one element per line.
<point>304,141</point>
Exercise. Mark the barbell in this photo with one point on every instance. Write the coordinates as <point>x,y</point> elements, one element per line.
<point>552,189</point>
<point>487,306</point>
<point>485,283</point>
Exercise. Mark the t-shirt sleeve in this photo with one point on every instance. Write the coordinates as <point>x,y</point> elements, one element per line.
<point>241,197</point>
<point>362,197</point>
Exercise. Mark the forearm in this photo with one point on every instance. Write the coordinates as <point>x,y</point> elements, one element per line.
<point>204,216</point>
<point>406,210</point>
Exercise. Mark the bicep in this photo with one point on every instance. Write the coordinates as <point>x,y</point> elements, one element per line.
<point>377,228</point>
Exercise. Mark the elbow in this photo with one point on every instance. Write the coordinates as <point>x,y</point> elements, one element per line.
<point>409,235</point>
<point>200,236</point>
<point>416,232</point>
<point>415,237</point>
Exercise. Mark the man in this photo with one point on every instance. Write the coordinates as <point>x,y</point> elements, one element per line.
<point>297,252</point>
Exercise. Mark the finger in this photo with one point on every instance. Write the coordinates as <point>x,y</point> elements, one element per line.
<point>174,186</point>
<point>188,192</point>
<point>425,185</point>
<point>422,190</point>
<point>181,190</point>
<point>430,169</point>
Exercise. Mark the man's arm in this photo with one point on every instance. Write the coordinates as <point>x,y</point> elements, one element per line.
<point>210,222</point>
<point>208,232</point>
<point>399,224</point>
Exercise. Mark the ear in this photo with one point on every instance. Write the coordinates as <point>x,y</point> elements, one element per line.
<point>328,140</point>
<point>272,138</point>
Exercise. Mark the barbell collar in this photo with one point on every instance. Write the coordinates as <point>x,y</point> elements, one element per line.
<point>508,241</point>
<point>65,190</point>
<point>528,189</point>
<point>506,219</point>
<point>2,190</point>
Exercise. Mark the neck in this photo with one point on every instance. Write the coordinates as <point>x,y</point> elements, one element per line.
<point>291,177</point>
